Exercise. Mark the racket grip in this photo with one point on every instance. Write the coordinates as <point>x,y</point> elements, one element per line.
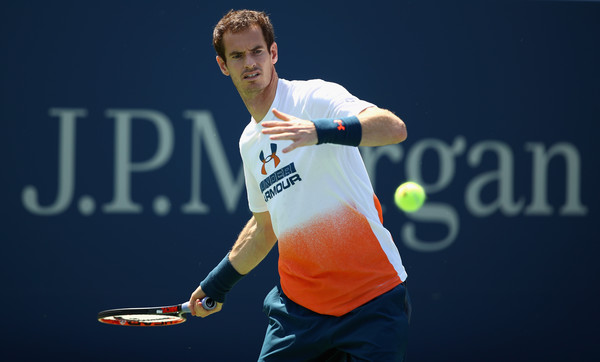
<point>208,303</point>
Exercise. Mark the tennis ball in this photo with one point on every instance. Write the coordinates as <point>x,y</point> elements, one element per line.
<point>409,196</point>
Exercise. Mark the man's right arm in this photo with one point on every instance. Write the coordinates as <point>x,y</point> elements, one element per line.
<point>251,247</point>
<point>253,244</point>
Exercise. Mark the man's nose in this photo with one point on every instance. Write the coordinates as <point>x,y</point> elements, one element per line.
<point>250,61</point>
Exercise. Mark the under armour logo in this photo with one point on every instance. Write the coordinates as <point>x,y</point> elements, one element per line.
<point>271,157</point>
<point>340,125</point>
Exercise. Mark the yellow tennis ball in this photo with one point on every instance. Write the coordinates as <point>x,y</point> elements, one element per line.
<point>409,196</point>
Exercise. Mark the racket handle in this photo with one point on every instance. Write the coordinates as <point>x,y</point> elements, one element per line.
<point>207,303</point>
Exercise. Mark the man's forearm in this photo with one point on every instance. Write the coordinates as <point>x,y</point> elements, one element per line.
<point>253,244</point>
<point>381,127</point>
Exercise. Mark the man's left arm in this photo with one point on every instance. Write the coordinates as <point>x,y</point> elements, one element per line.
<point>376,127</point>
<point>380,127</point>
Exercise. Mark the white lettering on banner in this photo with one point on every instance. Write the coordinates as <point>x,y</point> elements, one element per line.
<point>205,131</point>
<point>205,136</point>
<point>66,166</point>
<point>122,202</point>
<point>541,158</point>
<point>503,177</point>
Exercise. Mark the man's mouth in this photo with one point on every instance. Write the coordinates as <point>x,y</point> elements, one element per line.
<point>251,75</point>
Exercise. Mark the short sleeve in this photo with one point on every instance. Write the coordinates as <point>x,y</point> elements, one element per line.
<point>331,100</point>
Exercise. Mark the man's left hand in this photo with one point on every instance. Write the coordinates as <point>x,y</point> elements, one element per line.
<point>301,132</point>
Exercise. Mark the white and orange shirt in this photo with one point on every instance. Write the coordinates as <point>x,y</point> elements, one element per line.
<point>334,252</point>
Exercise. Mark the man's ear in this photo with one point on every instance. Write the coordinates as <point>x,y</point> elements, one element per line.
<point>222,66</point>
<point>274,53</point>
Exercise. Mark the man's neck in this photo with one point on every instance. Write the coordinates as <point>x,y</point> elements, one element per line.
<point>259,104</point>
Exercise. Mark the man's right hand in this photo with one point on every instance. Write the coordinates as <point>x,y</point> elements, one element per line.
<point>196,304</point>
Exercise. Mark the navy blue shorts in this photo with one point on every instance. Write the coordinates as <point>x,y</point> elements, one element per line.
<point>375,331</point>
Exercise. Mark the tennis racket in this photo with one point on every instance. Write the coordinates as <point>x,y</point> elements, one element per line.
<point>151,316</point>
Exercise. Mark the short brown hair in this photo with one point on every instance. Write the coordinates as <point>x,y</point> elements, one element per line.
<point>239,20</point>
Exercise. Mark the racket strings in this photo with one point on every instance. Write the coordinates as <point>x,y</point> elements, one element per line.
<point>143,320</point>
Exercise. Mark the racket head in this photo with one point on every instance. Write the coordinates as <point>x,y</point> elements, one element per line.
<point>144,317</point>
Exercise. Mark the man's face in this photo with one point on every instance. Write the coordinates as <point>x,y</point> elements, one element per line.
<point>249,63</point>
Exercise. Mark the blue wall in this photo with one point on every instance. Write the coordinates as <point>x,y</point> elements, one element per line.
<point>121,179</point>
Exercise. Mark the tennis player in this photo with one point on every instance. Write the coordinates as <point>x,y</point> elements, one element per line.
<point>342,294</point>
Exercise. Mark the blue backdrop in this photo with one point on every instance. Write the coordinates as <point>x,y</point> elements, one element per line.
<point>122,184</point>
